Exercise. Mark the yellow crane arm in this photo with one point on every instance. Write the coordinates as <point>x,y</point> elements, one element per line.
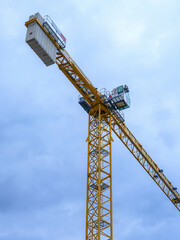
<point>132,144</point>
<point>93,96</point>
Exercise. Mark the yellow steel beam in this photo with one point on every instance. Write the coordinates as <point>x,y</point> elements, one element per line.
<point>128,139</point>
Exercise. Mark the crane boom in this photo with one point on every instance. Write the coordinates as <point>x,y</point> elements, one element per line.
<point>132,144</point>
<point>104,116</point>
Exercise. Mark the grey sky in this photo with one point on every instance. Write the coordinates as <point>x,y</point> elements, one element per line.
<point>43,153</point>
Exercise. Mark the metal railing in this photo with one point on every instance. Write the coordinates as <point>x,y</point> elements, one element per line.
<point>54,31</point>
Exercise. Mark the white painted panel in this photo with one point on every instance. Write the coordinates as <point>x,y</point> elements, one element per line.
<point>40,43</point>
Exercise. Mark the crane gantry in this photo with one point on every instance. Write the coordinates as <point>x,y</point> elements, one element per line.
<point>105,116</point>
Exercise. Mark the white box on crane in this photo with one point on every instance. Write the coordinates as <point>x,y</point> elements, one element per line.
<point>37,39</point>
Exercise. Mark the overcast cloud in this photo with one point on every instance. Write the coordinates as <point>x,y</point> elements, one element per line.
<point>43,153</point>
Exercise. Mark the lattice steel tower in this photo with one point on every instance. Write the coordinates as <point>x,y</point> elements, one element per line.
<point>99,175</point>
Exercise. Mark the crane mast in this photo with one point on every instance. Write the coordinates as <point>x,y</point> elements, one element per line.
<point>99,175</point>
<point>104,117</point>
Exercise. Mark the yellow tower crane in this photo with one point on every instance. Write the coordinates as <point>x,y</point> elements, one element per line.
<point>105,115</point>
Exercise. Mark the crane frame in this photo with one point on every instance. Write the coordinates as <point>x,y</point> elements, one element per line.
<point>108,121</point>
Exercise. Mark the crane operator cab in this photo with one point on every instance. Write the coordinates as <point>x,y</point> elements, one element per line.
<point>119,97</point>
<point>116,100</point>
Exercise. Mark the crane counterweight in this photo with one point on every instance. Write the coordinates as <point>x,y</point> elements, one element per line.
<point>39,31</point>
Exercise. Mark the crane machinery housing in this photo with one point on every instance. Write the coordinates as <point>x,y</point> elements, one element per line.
<point>105,116</point>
